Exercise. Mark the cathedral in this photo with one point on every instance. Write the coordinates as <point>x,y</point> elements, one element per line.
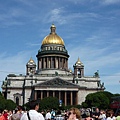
<point>50,76</point>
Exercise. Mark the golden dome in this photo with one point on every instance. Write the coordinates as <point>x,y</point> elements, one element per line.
<point>53,38</point>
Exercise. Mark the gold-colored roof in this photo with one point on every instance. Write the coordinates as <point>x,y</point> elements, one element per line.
<point>53,38</point>
<point>79,62</point>
<point>31,61</point>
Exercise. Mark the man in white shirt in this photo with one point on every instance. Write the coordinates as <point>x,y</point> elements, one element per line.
<point>32,114</point>
<point>48,115</point>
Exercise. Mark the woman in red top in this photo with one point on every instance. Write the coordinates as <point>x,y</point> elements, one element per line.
<point>5,114</point>
<point>1,116</point>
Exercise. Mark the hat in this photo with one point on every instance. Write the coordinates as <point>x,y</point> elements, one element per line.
<point>87,114</point>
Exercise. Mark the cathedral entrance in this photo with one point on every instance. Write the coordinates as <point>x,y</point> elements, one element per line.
<point>67,97</point>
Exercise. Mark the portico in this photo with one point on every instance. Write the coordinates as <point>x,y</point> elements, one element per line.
<point>57,87</point>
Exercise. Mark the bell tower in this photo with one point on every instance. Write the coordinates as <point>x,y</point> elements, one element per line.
<point>30,67</point>
<point>78,69</point>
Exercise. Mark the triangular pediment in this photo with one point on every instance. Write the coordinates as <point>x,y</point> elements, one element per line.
<point>57,82</point>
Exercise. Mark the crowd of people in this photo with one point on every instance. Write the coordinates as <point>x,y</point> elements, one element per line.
<point>71,114</point>
<point>101,115</point>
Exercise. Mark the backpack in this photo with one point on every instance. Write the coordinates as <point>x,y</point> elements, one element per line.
<point>15,117</point>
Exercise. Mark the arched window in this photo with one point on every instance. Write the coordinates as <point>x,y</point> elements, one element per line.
<point>17,100</point>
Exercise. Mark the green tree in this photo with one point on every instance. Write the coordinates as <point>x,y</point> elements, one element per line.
<point>98,99</point>
<point>2,102</point>
<point>49,103</point>
<point>109,95</point>
<point>6,104</point>
<point>0,94</point>
<point>115,95</point>
<point>10,105</point>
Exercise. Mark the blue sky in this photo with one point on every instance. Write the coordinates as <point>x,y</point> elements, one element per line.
<point>89,28</point>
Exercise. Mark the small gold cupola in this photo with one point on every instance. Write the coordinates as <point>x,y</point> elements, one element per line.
<point>78,63</point>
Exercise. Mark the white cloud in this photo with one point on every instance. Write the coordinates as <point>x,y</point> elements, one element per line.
<point>112,79</point>
<point>11,17</point>
<point>55,15</point>
<point>95,59</point>
<point>107,2</point>
<point>25,2</point>
<point>13,64</point>
<point>61,16</point>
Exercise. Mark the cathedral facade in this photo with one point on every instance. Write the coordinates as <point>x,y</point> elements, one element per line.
<point>50,76</point>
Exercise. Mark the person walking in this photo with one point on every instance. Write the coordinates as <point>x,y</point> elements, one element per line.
<point>88,116</point>
<point>118,116</point>
<point>96,114</point>
<point>110,115</point>
<point>1,115</point>
<point>102,115</point>
<point>15,116</point>
<point>52,114</point>
<point>74,114</point>
<point>32,114</point>
<point>48,115</point>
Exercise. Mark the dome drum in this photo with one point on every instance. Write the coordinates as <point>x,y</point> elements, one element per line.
<point>53,47</point>
<point>57,53</point>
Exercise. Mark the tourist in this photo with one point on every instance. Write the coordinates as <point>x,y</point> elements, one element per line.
<point>10,112</point>
<point>52,114</point>
<point>59,116</point>
<point>5,114</point>
<point>1,115</point>
<point>96,114</point>
<point>20,110</point>
<point>110,115</point>
<point>66,115</point>
<point>43,113</point>
<point>88,116</point>
<point>15,115</point>
<point>102,115</point>
<point>118,116</point>
<point>32,114</point>
<point>74,114</point>
<point>48,115</point>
